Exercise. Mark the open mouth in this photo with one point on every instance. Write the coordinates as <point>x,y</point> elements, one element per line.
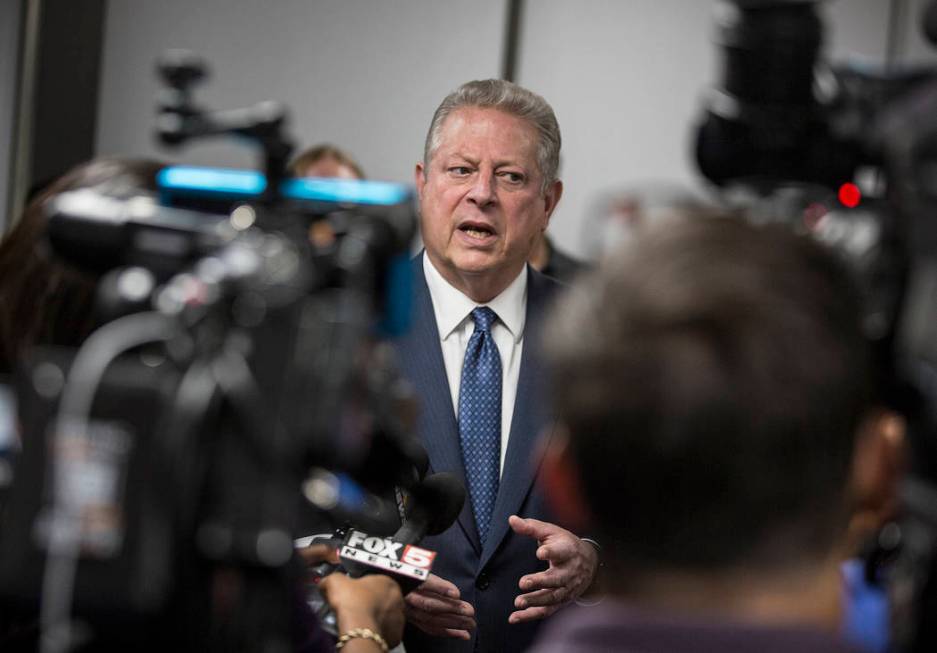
<point>476,230</point>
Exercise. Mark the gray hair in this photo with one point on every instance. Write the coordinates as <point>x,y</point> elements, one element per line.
<point>511,99</point>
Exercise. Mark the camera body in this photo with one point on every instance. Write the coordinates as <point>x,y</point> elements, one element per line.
<point>161,483</point>
<point>847,155</point>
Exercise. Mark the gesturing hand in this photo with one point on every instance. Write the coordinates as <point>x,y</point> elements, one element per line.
<point>572,567</point>
<point>435,608</point>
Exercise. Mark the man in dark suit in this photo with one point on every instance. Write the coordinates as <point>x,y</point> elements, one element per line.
<point>487,186</point>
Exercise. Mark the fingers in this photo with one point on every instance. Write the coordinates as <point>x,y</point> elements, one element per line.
<point>440,586</point>
<point>560,549</point>
<point>335,584</point>
<point>436,604</point>
<point>381,585</point>
<point>436,623</point>
<point>557,544</point>
<point>440,631</point>
<point>542,598</point>
<point>316,553</point>
<point>534,528</point>
<point>571,571</point>
<point>531,614</point>
<point>345,594</point>
<point>435,609</point>
<point>439,615</point>
<point>549,579</point>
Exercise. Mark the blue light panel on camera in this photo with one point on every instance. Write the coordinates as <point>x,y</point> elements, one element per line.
<point>220,181</point>
<point>346,191</point>
<point>242,184</point>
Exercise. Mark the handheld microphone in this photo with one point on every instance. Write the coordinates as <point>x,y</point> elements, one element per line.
<point>346,502</point>
<point>433,507</point>
<point>419,458</point>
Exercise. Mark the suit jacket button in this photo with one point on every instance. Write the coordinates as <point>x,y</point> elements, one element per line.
<point>483,581</point>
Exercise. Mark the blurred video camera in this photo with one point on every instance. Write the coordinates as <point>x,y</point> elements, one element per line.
<point>849,154</point>
<point>239,392</point>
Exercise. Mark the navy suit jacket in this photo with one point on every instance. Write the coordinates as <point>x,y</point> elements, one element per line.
<point>486,575</point>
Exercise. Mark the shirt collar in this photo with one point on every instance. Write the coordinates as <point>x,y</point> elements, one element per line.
<point>452,306</point>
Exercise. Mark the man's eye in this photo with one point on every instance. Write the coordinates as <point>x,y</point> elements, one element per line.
<point>513,177</point>
<point>460,171</point>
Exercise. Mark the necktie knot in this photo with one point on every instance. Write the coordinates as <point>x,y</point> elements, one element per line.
<point>484,317</point>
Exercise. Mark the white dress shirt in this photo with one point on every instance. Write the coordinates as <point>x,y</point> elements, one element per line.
<point>453,311</point>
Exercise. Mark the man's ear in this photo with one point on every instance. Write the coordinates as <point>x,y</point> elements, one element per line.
<point>560,480</point>
<point>877,466</point>
<point>419,178</point>
<point>551,198</point>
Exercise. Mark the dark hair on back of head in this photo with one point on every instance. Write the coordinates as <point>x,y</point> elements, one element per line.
<point>712,380</point>
<point>42,300</point>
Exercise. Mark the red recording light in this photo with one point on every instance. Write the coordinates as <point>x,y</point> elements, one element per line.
<point>849,195</point>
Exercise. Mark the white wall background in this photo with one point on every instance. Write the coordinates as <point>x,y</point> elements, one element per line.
<point>625,77</point>
<point>914,47</point>
<point>363,74</point>
<point>626,80</point>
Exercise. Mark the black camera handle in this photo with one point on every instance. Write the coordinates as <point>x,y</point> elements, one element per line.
<point>181,119</point>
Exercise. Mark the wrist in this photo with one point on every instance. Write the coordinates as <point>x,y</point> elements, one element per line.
<point>352,618</point>
<point>362,635</point>
<point>591,596</point>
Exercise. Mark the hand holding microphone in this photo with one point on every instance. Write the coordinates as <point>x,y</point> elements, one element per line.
<point>432,507</point>
<point>374,563</point>
<point>372,602</point>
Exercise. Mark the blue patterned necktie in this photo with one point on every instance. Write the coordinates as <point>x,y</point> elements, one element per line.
<point>480,418</point>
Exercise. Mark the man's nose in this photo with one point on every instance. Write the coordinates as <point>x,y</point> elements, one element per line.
<point>482,193</point>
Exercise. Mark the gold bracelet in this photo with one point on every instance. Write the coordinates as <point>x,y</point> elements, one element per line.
<point>360,633</point>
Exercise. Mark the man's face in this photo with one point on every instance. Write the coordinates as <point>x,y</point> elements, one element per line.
<point>480,202</point>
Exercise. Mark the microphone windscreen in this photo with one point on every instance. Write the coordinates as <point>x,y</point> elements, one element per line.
<point>420,460</point>
<point>440,497</point>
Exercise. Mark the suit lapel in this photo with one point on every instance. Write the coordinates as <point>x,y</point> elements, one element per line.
<point>531,416</point>
<point>422,363</point>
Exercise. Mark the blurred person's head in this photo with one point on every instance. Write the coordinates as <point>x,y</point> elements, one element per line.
<point>326,161</point>
<point>487,184</point>
<point>42,300</point>
<point>714,383</point>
